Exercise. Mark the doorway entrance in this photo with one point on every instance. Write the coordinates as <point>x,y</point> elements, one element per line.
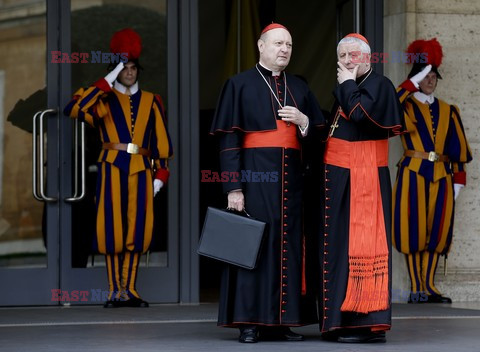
<point>48,163</point>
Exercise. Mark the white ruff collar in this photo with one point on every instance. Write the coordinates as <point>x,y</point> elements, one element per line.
<point>122,89</point>
<point>423,98</point>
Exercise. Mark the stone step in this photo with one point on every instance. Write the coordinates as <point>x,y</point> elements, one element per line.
<point>459,286</point>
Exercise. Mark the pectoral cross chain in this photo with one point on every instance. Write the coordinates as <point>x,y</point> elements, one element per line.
<point>334,126</point>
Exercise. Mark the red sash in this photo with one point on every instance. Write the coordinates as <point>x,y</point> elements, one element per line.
<point>285,136</point>
<point>367,287</point>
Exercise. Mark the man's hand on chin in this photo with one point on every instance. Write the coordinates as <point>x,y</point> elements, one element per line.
<point>344,74</point>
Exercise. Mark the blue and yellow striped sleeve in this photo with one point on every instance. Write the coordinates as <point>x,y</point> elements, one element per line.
<point>86,105</point>
<point>162,145</point>
<point>458,146</point>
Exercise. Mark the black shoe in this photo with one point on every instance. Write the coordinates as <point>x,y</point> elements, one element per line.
<point>248,334</point>
<point>135,302</point>
<point>438,299</point>
<point>362,337</point>
<point>279,333</point>
<point>110,304</point>
<point>114,303</point>
<point>331,336</point>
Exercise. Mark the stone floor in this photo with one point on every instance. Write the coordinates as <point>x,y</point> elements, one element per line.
<point>424,328</point>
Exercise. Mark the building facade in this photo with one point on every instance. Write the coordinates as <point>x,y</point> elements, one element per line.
<point>47,172</point>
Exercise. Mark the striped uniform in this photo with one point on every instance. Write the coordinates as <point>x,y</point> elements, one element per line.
<point>423,204</point>
<point>125,181</point>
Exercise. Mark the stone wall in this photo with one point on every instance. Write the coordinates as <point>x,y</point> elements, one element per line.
<point>456,26</point>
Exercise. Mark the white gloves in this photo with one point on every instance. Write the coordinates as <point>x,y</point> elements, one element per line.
<point>157,185</point>
<point>456,189</point>
<point>112,75</point>
<point>416,79</point>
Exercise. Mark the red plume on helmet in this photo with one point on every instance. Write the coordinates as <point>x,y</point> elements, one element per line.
<point>432,49</point>
<point>126,41</point>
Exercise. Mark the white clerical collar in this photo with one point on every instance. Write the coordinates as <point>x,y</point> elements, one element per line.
<point>423,98</point>
<point>274,73</point>
<point>122,89</point>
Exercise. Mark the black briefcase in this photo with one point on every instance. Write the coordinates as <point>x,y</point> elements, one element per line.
<point>231,238</point>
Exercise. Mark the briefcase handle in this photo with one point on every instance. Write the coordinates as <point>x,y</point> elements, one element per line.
<point>231,210</point>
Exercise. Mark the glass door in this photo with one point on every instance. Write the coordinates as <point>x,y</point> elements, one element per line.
<point>87,30</point>
<point>48,169</point>
<point>29,116</point>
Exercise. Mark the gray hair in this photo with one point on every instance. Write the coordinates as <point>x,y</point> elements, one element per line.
<point>364,47</point>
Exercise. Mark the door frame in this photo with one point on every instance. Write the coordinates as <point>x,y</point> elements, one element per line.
<point>177,281</point>
<point>32,286</point>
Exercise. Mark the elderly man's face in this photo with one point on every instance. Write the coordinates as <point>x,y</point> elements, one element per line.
<point>429,83</point>
<point>275,49</point>
<point>128,76</point>
<point>350,55</point>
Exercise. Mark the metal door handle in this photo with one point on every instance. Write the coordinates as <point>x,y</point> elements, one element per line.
<point>41,157</point>
<point>77,197</point>
<point>34,159</point>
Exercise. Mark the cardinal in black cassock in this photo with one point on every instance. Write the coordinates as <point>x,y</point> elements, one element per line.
<point>355,246</point>
<point>261,117</point>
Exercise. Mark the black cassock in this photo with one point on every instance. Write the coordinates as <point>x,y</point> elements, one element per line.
<point>373,113</point>
<point>270,294</point>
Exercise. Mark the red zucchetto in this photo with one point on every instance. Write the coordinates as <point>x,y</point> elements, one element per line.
<point>358,36</point>
<point>273,26</point>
